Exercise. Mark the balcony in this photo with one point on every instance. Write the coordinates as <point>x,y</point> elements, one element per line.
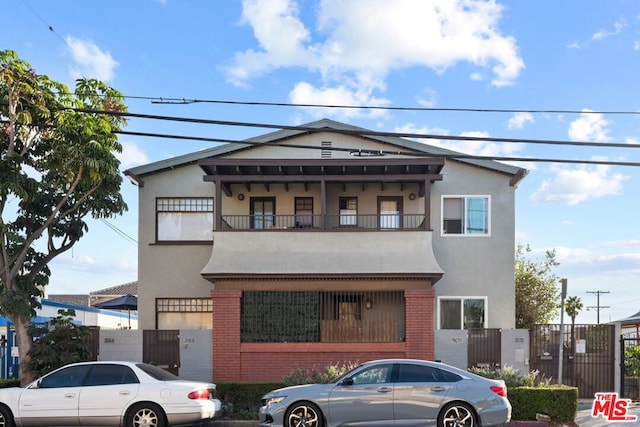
<point>379,222</point>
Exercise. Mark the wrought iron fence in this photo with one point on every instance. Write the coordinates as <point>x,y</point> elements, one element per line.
<point>588,355</point>
<point>323,316</point>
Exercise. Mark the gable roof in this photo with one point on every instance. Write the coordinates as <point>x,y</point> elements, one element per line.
<point>135,173</point>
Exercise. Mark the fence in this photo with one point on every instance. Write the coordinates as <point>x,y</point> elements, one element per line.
<point>588,356</point>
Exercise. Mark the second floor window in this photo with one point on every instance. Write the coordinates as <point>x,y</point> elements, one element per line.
<point>184,218</point>
<point>304,212</point>
<point>465,215</point>
<point>348,211</point>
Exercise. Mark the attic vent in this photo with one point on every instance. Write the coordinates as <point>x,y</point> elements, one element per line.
<point>325,153</point>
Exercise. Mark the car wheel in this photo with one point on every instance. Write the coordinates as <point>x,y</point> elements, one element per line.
<point>457,414</point>
<point>6,417</point>
<point>145,415</point>
<point>303,414</point>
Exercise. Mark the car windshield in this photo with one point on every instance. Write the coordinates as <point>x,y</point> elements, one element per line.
<point>156,372</point>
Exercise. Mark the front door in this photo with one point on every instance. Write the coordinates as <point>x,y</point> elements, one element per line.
<point>390,212</point>
<point>262,212</point>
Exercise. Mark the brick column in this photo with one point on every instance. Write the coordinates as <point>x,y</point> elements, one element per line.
<point>419,306</point>
<point>226,334</point>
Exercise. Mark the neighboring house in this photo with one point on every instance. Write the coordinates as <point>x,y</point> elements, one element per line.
<point>301,248</point>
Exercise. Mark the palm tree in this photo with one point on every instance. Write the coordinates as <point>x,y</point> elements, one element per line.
<point>572,306</point>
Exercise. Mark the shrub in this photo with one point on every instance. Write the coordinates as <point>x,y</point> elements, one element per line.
<point>512,376</point>
<point>314,376</point>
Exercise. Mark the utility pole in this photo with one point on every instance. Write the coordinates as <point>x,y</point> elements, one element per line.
<point>563,295</point>
<point>598,307</point>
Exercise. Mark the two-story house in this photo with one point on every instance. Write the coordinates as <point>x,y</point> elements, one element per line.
<point>324,244</point>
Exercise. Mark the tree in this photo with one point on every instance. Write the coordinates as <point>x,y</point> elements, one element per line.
<point>59,343</point>
<point>572,306</point>
<point>57,167</point>
<point>537,295</point>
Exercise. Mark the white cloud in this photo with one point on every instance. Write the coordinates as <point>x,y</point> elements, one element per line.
<point>618,26</point>
<point>358,43</point>
<point>578,184</point>
<point>89,60</point>
<point>589,127</point>
<point>518,120</point>
<point>131,156</point>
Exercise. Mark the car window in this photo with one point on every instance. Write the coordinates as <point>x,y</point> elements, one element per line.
<point>409,373</point>
<point>378,374</point>
<point>156,372</point>
<point>448,377</point>
<point>72,376</point>
<point>110,374</point>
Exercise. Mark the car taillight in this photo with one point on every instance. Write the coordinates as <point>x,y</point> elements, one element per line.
<point>499,390</point>
<point>206,393</point>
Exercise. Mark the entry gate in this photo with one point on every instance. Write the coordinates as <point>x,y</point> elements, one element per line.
<point>630,366</point>
<point>588,356</point>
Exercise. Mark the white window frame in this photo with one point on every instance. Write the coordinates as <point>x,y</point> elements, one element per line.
<point>465,197</point>
<point>184,219</point>
<point>461,299</point>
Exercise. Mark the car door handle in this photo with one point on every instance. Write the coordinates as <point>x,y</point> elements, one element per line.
<point>125,392</point>
<point>384,390</point>
<point>438,388</point>
<point>70,395</point>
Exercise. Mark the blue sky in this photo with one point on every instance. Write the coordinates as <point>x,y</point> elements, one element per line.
<point>577,56</point>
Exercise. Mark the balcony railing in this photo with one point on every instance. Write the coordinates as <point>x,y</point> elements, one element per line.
<point>299,222</point>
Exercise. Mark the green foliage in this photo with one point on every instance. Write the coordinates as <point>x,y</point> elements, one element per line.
<point>572,306</point>
<point>57,166</point>
<point>537,295</point>
<point>9,382</point>
<point>632,361</point>
<point>314,376</point>
<point>512,376</point>
<point>558,402</point>
<point>240,401</point>
<point>61,343</point>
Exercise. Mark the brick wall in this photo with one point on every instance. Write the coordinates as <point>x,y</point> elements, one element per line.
<point>234,361</point>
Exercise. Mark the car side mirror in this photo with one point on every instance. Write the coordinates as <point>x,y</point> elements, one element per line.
<point>347,382</point>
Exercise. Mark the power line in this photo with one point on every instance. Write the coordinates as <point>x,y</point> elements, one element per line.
<point>357,132</point>
<point>182,101</point>
<point>366,152</point>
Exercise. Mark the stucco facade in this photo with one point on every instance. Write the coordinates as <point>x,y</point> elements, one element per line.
<point>303,214</point>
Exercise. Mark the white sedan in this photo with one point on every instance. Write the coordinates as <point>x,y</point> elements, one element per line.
<point>105,393</point>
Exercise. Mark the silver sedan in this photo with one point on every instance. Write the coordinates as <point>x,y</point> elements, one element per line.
<point>391,392</point>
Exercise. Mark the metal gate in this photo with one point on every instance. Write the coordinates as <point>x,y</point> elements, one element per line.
<point>162,348</point>
<point>630,366</point>
<point>484,348</point>
<point>588,356</point>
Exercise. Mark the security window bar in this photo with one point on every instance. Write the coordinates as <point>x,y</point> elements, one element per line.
<point>184,305</point>
<point>324,316</point>
<point>184,218</point>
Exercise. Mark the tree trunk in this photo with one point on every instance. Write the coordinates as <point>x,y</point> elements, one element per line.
<point>25,343</point>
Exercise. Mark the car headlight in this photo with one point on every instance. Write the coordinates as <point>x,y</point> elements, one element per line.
<point>274,400</point>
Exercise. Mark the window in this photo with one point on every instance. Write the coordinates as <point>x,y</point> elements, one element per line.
<point>73,376</point>
<point>304,212</point>
<point>184,313</point>
<point>110,375</point>
<point>462,313</point>
<point>373,375</point>
<point>348,211</point>
<point>184,219</point>
<point>465,215</point>
<point>263,210</point>
<point>390,212</point>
